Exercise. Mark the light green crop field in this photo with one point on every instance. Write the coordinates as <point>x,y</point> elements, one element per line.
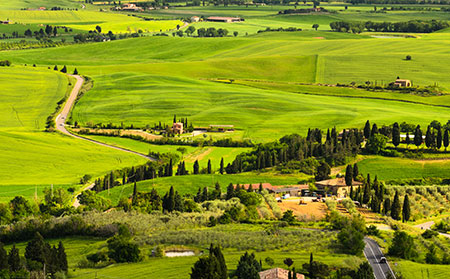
<point>27,4</point>
<point>189,184</point>
<point>28,155</point>
<point>400,168</point>
<point>417,270</point>
<point>88,20</point>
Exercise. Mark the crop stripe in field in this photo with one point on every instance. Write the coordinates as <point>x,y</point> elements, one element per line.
<point>236,81</point>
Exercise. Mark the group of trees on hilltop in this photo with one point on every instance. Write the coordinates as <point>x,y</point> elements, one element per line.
<point>412,26</point>
<point>333,151</point>
<point>41,259</point>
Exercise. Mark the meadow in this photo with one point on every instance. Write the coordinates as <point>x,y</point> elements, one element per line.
<point>29,155</point>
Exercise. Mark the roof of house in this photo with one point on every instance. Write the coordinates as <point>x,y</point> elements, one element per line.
<point>277,273</point>
<point>336,182</point>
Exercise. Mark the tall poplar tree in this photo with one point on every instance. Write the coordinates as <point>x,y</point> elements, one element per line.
<point>396,207</point>
<point>406,211</point>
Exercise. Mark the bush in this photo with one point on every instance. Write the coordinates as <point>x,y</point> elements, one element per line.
<point>408,57</point>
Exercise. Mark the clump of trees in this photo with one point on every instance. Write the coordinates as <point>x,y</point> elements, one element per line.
<point>212,32</point>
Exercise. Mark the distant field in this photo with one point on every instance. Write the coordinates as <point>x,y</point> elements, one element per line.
<point>28,155</point>
<point>189,184</point>
<point>400,168</point>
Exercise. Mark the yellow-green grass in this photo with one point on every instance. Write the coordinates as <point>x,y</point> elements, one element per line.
<point>21,4</point>
<point>28,155</point>
<point>189,184</point>
<point>387,168</point>
<point>88,20</point>
<point>418,270</point>
<point>202,154</point>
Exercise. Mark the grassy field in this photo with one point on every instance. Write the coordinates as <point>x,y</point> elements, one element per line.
<point>32,157</point>
<point>417,270</point>
<point>401,168</point>
<point>189,184</point>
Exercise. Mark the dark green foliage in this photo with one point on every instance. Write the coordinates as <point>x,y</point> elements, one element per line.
<point>121,248</point>
<point>431,257</point>
<point>37,249</point>
<point>3,258</point>
<point>62,257</point>
<point>406,211</point>
<point>20,207</point>
<point>211,267</point>
<point>323,171</point>
<point>196,167</point>
<point>364,271</point>
<point>429,234</point>
<point>351,236</point>
<point>387,206</point>
<point>288,262</point>
<point>64,69</point>
<point>446,139</point>
<point>355,171</point>
<point>395,134</point>
<point>367,130</point>
<point>349,175</point>
<point>288,216</point>
<point>396,207</point>
<point>221,170</point>
<point>230,191</point>
<point>172,201</point>
<point>418,136</point>
<point>248,267</point>
<point>317,270</point>
<point>412,26</point>
<point>403,246</point>
<point>376,144</point>
<point>14,259</point>
<point>75,72</point>
<point>209,169</point>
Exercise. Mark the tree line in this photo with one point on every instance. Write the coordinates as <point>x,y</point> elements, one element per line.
<point>412,26</point>
<point>41,260</point>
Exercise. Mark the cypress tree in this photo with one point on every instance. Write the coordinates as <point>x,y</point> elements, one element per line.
<point>351,192</point>
<point>355,171</point>
<point>198,197</point>
<point>418,136</point>
<point>230,191</point>
<point>387,206</point>
<point>205,195</point>
<point>75,72</point>
<point>3,258</point>
<point>218,191</point>
<point>196,167</point>
<point>14,259</point>
<point>366,195</point>
<point>261,187</point>
<point>36,249</point>
<point>439,138</point>
<point>221,166</point>
<point>209,167</point>
<point>55,68</point>
<point>428,140</point>
<point>396,207</point>
<point>446,139</point>
<point>374,130</point>
<point>134,198</point>
<point>174,118</point>
<point>406,211</point>
<point>217,253</point>
<point>367,130</point>
<point>349,175</point>
<point>170,168</point>
<point>62,257</point>
<point>396,134</point>
<point>64,69</point>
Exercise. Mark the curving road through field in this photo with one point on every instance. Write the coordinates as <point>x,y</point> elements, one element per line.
<point>62,117</point>
<point>373,254</point>
<point>61,122</point>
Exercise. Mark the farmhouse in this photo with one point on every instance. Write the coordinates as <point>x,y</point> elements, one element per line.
<point>195,19</point>
<point>337,186</point>
<point>277,273</point>
<point>177,128</point>
<point>224,19</point>
<point>293,190</point>
<point>131,7</point>
<point>402,83</point>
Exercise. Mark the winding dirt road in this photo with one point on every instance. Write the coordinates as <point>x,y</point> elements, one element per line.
<point>61,122</point>
<point>62,117</point>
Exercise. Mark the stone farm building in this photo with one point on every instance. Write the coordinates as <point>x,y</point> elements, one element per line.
<point>337,186</point>
<point>177,128</point>
<point>131,7</point>
<point>224,19</point>
<point>195,19</point>
<point>277,273</point>
<point>402,83</point>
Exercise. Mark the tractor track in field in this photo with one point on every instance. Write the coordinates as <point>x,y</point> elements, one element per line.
<point>62,117</point>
